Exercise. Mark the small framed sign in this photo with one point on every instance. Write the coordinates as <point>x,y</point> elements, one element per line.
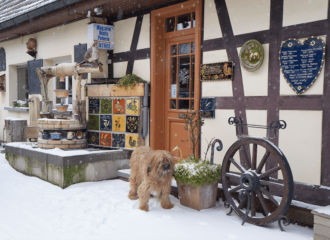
<point>217,71</point>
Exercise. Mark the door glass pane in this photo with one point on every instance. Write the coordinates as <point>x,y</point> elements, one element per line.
<point>192,107</point>
<point>170,24</point>
<point>192,75</point>
<point>173,104</point>
<point>174,49</point>
<point>22,81</point>
<point>184,68</point>
<point>193,19</point>
<point>183,104</point>
<point>173,76</point>
<point>184,48</point>
<point>193,47</point>
<point>183,22</point>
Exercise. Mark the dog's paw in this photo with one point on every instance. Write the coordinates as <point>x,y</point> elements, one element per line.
<point>133,196</point>
<point>167,206</point>
<point>144,208</point>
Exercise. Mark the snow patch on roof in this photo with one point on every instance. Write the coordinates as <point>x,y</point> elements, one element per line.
<point>13,8</point>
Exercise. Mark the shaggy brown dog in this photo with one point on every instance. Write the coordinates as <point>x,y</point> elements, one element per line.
<point>151,171</point>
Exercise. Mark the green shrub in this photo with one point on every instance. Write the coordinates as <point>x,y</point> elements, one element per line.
<point>196,172</point>
<point>130,80</point>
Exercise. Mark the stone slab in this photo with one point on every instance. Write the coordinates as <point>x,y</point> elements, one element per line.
<point>66,167</point>
<point>321,230</point>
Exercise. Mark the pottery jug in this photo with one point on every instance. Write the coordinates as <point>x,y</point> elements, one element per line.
<point>45,135</point>
<point>70,135</point>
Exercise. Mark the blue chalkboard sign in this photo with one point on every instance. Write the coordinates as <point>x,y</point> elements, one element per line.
<point>301,64</point>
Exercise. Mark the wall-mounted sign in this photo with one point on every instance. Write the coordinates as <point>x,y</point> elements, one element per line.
<point>217,71</point>
<point>207,108</point>
<point>103,33</point>
<point>301,64</point>
<point>251,55</point>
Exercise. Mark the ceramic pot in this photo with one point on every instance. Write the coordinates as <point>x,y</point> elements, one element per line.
<point>70,135</point>
<point>84,135</point>
<point>79,135</point>
<point>61,93</point>
<point>55,136</point>
<point>61,108</point>
<point>45,135</point>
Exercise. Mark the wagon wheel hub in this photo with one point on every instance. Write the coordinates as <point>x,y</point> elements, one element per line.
<point>249,181</point>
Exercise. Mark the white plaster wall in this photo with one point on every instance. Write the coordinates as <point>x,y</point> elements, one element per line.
<point>258,117</point>
<point>124,30</point>
<point>218,128</point>
<point>211,21</point>
<point>119,69</point>
<point>256,83</point>
<point>303,11</point>
<point>52,44</point>
<point>315,89</point>
<point>249,15</point>
<point>144,38</point>
<point>142,69</point>
<point>216,88</point>
<point>301,143</point>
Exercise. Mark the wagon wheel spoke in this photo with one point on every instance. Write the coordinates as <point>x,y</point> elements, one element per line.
<point>262,163</point>
<point>253,204</point>
<point>270,184</point>
<point>235,189</point>
<point>273,170</point>
<point>246,158</point>
<point>241,204</point>
<point>254,157</point>
<point>263,202</point>
<point>270,197</point>
<point>241,168</point>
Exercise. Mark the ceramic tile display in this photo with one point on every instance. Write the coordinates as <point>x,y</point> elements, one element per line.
<point>94,106</point>
<point>106,122</point>
<point>94,122</point>
<point>105,139</point>
<point>118,106</point>
<point>301,64</point>
<point>217,71</point>
<point>133,106</point>
<point>114,122</point>
<point>106,106</point>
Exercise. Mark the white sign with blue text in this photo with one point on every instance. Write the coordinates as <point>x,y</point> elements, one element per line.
<point>103,33</point>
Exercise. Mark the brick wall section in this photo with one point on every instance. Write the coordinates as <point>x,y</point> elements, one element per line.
<point>59,124</point>
<point>63,144</point>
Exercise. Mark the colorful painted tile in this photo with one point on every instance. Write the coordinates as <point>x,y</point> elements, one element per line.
<point>105,139</point>
<point>118,106</point>
<point>106,122</point>
<point>106,106</point>
<point>94,106</point>
<point>132,124</point>
<point>93,138</point>
<point>133,106</point>
<point>118,123</point>
<point>118,140</point>
<point>94,122</point>
<point>132,141</point>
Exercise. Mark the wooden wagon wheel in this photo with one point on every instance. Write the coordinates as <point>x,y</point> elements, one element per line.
<point>252,186</point>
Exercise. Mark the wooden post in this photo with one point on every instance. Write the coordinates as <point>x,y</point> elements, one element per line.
<point>79,111</point>
<point>16,130</point>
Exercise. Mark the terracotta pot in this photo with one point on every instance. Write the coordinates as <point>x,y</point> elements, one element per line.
<point>61,93</point>
<point>61,108</point>
<point>198,198</point>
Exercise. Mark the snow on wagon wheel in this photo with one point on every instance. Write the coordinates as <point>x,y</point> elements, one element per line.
<point>250,188</point>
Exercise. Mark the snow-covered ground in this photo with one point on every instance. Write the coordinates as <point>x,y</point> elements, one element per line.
<point>34,209</point>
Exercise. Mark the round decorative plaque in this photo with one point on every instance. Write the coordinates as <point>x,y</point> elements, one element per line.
<point>251,55</point>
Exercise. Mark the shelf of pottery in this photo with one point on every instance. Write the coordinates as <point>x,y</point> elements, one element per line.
<point>115,122</point>
<point>61,132</point>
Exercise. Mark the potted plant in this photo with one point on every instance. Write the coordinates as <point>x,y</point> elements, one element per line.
<point>197,179</point>
<point>130,80</point>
